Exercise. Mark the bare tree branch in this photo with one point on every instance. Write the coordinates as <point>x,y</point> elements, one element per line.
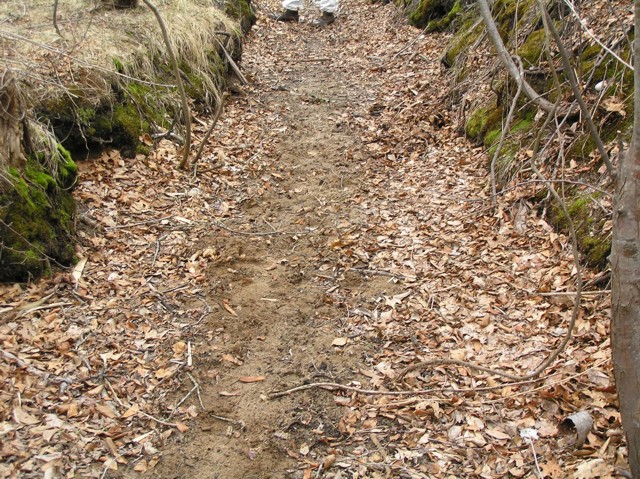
<point>176,72</point>
<point>505,130</point>
<point>507,61</point>
<point>220,100</point>
<point>573,82</point>
<point>55,18</point>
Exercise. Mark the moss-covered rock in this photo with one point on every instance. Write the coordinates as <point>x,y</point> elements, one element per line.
<point>36,218</point>
<point>482,120</point>
<point>531,50</point>
<point>242,11</point>
<point>436,14</point>
<point>441,24</point>
<point>469,32</point>
<point>588,219</point>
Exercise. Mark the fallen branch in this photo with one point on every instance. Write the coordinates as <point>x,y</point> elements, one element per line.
<point>139,223</point>
<point>226,419</point>
<point>258,233</point>
<point>220,100</point>
<point>33,370</point>
<point>573,293</point>
<point>373,392</point>
<point>234,65</point>
<point>456,362</point>
<point>306,60</point>
<point>159,421</point>
<point>378,272</point>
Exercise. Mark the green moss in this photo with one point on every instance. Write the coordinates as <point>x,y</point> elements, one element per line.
<point>590,53</point>
<point>481,121</point>
<point>584,145</point>
<point>524,125</point>
<point>122,125</point>
<point>41,178</point>
<point>492,136</point>
<point>427,11</point>
<point>505,11</point>
<point>596,250</point>
<point>118,64</point>
<point>67,168</point>
<point>242,11</point>
<point>441,24</point>
<point>588,220</point>
<point>37,218</point>
<point>468,34</point>
<point>531,50</point>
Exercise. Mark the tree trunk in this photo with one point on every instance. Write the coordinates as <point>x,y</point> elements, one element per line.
<point>625,269</point>
<point>13,128</point>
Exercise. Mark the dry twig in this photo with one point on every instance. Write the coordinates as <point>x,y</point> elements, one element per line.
<point>176,73</point>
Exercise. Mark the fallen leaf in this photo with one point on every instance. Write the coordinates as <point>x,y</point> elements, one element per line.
<point>181,427</point>
<point>106,411</point>
<point>229,393</point>
<point>251,379</point>
<point>229,308</point>
<point>23,417</point>
<point>132,411</point>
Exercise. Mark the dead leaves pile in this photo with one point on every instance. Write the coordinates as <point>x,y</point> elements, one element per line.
<point>92,359</point>
<point>490,287</point>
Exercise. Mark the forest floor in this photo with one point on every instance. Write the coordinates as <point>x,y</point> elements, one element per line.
<point>338,230</point>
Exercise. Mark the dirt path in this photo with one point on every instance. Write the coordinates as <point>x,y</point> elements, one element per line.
<point>372,229</point>
<point>282,284</point>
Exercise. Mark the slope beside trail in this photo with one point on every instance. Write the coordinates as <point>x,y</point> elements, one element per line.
<point>337,230</point>
<point>375,247</point>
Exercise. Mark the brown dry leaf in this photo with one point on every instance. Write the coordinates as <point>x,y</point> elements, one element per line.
<point>132,411</point>
<point>616,105</point>
<point>251,379</point>
<point>594,468</point>
<point>23,417</point>
<point>339,342</point>
<point>181,427</point>
<point>231,359</point>
<point>141,466</point>
<point>229,393</point>
<point>179,348</point>
<point>498,434</point>
<point>106,411</point>
<point>229,308</point>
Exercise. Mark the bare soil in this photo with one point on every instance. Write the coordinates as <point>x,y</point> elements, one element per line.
<point>279,281</point>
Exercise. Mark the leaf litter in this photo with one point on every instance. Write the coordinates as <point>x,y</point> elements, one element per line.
<point>337,231</point>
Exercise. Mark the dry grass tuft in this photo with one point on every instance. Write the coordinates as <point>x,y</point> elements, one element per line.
<point>102,52</point>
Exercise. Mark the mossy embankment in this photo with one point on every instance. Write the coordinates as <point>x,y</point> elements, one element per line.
<point>114,88</point>
<point>606,84</point>
<point>37,223</point>
<point>134,91</point>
